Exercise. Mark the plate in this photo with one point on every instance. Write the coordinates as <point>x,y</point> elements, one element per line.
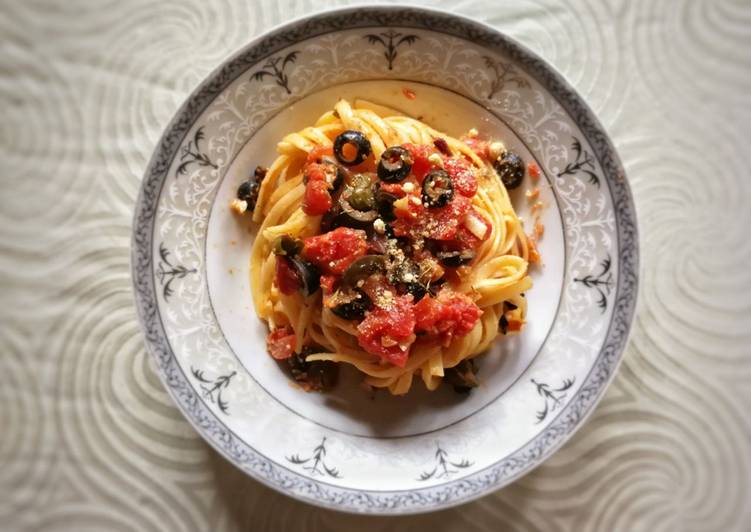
<point>351,450</point>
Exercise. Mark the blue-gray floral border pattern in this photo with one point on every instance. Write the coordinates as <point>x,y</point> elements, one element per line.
<point>301,486</point>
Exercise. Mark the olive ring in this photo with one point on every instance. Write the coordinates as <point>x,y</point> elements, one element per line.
<point>352,138</point>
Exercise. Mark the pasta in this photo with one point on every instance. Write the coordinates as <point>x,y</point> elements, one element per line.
<point>357,251</point>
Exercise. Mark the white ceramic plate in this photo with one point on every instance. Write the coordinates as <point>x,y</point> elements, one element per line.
<point>349,450</point>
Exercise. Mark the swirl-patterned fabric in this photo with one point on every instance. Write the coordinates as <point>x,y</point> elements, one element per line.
<point>90,438</point>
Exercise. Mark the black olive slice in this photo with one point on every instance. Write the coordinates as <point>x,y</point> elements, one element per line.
<point>395,164</point>
<point>355,307</point>
<point>437,188</point>
<point>363,268</point>
<point>384,202</point>
<point>248,190</point>
<point>321,375</point>
<point>306,273</point>
<point>454,259</point>
<point>462,376</point>
<point>510,168</point>
<point>417,289</point>
<point>338,218</point>
<point>287,246</point>
<point>356,140</point>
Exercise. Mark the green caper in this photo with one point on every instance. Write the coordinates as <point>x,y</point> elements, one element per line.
<point>362,199</point>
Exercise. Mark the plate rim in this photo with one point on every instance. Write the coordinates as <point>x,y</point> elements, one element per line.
<point>566,422</point>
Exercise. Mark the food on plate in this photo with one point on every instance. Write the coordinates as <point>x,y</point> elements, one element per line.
<point>387,245</point>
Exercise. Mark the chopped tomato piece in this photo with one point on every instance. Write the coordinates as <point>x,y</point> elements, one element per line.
<point>315,172</point>
<point>449,315</point>
<point>327,283</point>
<point>462,176</point>
<point>389,331</point>
<point>335,250</point>
<point>285,277</point>
<point>315,155</point>
<point>514,326</point>
<point>319,179</point>
<point>409,93</point>
<point>420,163</point>
<point>442,223</point>
<point>375,285</point>
<point>321,172</point>
<point>533,170</point>
<point>428,312</point>
<point>480,147</point>
<point>281,343</point>
<point>317,199</point>
<point>393,188</point>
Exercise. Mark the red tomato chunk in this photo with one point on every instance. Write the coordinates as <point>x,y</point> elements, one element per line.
<point>320,179</point>
<point>462,176</point>
<point>480,147</point>
<point>448,316</point>
<point>384,329</point>
<point>420,165</point>
<point>533,170</point>
<point>439,224</point>
<point>335,250</point>
<point>281,343</point>
<point>286,278</point>
<point>327,283</point>
<point>316,154</point>
<point>317,198</point>
<point>393,188</point>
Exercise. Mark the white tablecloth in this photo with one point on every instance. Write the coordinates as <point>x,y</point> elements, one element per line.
<point>89,439</point>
